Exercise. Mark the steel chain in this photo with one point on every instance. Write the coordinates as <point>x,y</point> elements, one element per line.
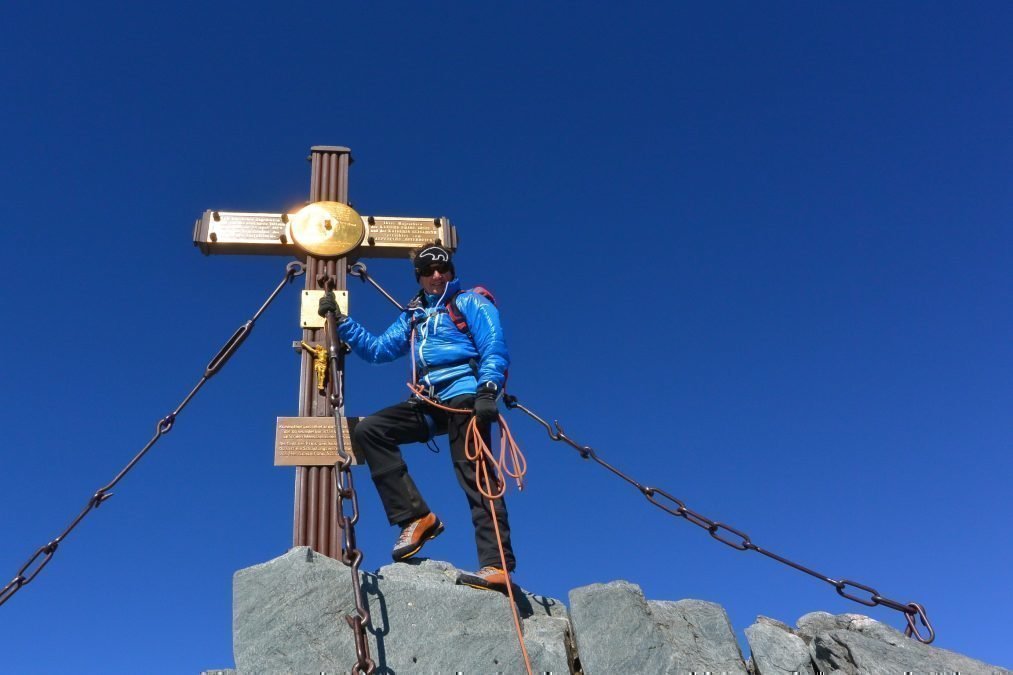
<point>913,611</point>
<point>44,554</point>
<point>344,491</point>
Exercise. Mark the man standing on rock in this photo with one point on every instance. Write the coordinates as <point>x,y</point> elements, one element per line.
<point>459,358</point>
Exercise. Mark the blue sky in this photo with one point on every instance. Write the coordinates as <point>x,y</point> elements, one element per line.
<point>757,256</point>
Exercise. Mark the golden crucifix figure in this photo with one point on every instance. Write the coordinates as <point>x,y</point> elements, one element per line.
<point>319,364</point>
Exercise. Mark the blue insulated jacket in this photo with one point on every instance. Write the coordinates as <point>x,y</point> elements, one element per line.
<point>448,362</point>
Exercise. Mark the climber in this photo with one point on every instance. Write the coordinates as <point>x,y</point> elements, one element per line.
<point>459,358</point>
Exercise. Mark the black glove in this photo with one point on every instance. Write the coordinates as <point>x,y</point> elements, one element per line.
<point>485,403</point>
<point>329,303</point>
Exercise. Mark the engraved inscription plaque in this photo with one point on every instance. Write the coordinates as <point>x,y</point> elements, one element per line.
<point>247,227</point>
<point>394,237</point>
<point>310,441</point>
<point>244,233</point>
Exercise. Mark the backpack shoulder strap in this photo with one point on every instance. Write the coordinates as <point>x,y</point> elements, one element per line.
<point>457,316</point>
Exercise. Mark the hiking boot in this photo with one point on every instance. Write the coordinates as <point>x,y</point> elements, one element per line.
<point>414,536</point>
<point>488,578</point>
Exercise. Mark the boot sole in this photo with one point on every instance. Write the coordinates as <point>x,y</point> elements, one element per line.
<point>432,534</point>
<point>495,588</point>
<point>466,580</point>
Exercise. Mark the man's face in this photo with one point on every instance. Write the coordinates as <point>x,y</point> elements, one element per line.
<point>435,279</point>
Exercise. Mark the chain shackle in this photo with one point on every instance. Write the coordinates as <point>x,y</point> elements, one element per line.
<point>917,611</point>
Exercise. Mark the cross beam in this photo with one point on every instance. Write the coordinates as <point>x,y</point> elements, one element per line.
<point>218,232</point>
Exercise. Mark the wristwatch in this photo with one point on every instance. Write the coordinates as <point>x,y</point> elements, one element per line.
<point>488,388</point>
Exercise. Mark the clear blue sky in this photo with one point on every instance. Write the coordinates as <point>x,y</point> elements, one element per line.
<point>758,256</point>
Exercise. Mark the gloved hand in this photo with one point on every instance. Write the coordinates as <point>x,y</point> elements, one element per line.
<point>485,404</point>
<point>329,303</point>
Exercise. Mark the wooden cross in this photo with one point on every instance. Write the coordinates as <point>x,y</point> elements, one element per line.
<point>221,232</point>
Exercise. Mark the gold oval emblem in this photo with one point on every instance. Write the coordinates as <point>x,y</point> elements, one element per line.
<point>327,229</point>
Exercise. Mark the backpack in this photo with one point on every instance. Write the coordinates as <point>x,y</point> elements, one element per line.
<point>457,316</point>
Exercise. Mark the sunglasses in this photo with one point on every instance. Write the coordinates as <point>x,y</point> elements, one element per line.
<point>442,268</point>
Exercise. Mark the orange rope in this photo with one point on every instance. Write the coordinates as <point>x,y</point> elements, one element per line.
<point>476,449</point>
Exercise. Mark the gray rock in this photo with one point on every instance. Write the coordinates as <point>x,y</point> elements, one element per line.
<point>777,649</point>
<point>848,644</point>
<point>815,623</point>
<point>617,630</point>
<point>288,617</point>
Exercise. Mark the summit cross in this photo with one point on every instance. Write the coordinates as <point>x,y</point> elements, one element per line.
<point>329,236</point>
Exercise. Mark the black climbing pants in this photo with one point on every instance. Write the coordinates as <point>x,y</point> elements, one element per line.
<point>380,435</point>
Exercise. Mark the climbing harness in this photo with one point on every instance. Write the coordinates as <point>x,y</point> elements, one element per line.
<point>344,489</point>
<point>914,612</point>
<point>44,554</point>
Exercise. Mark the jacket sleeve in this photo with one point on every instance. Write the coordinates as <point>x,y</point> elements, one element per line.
<point>387,347</point>
<point>487,333</point>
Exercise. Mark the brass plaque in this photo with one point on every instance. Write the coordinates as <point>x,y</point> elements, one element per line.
<point>393,237</point>
<point>309,318</point>
<point>310,441</point>
<point>232,232</point>
<point>327,229</point>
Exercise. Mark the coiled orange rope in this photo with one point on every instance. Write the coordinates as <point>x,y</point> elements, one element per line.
<point>491,486</point>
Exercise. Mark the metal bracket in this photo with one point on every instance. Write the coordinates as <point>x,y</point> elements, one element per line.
<point>311,303</point>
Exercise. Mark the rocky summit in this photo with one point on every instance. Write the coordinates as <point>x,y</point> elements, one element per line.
<point>288,617</point>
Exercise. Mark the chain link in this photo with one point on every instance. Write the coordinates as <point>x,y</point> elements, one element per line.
<point>344,491</point>
<point>740,541</point>
<point>44,554</point>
